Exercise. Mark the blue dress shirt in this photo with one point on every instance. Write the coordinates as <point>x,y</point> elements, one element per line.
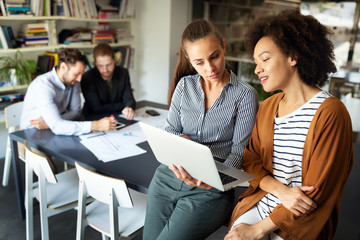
<point>59,105</point>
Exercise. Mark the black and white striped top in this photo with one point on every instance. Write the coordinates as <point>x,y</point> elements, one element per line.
<point>225,127</point>
<point>290,132</point>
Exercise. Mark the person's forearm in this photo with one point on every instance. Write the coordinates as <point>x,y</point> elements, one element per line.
<point>271,185</point>
<point>265,227</point>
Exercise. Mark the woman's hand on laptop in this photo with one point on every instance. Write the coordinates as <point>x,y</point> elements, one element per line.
<point>181,174</point>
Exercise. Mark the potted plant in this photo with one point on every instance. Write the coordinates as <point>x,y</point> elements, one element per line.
<point>17,69</point>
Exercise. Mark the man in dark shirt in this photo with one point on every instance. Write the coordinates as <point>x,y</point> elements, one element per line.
<point>106,87</point>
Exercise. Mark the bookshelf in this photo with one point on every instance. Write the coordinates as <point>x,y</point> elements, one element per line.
<point>60,23</point>
<point>9,20</point>
<point>59,46</point>
<point>12,88</point>
<point>232,18</point>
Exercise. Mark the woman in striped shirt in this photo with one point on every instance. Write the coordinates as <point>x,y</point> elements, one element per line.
<point>209,105</point>
<point>301,147</point>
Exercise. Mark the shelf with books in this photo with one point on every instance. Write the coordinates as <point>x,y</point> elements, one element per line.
<point>59,46</point>
<point>12,88</point>
<point>33,18</point>
<point>72,16</point>
<point>106,18</point>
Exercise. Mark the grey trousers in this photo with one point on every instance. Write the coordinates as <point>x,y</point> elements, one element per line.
<point>177,211</point>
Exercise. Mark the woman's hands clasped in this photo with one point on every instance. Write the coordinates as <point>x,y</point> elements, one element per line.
<point>295,200</point>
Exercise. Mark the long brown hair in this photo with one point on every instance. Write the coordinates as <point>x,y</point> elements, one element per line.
<point>196,30</point>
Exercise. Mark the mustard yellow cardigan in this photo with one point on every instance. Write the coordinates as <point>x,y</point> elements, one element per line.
<point>326,164</point>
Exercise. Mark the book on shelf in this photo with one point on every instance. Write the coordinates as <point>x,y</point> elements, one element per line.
<point>66,8</point>
<point>44,63</point>
<point>127,9</point>
<point>32,34</point>
<point>55,55</point>
<point>50,26</point>
<point>107,11</point>
<point>10,32</point>
<point>122,34</point>
<point>7,37</point>
<point>103,36</point>
<point>2,8</point>
<point>125,57</point>
<point>35,43</point>
<point>34,39</point>
<point>3,39</point>
<point>46,8</point>
<point>89,58</point>
<point>91,10</point>
<point>34,26</point>
<point>18,9</point>
<point>58,8</point>
<point>35,34</point>
<point>16,1</point>
<point>41,7</point>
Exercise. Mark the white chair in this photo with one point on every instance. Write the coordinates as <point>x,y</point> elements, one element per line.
<point>353,106</point>
<point>55,193</point>
<point>117,211</point>
<point>12,122</point>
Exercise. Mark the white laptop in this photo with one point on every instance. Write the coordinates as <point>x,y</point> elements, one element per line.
<point>194,157</point>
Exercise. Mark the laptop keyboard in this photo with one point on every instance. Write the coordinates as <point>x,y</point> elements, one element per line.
<point>225,179</point>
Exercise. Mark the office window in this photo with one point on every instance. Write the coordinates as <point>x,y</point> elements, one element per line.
<point>340,18</point>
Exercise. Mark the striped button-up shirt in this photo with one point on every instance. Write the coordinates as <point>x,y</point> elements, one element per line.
<point>225,127</point>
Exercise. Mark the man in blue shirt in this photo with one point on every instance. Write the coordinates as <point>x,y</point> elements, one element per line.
<point>53,99</point>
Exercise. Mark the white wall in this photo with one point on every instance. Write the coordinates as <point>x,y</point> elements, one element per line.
<point>159,25</point>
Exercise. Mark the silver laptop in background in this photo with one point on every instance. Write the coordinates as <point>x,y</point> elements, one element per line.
<point>194,157</point>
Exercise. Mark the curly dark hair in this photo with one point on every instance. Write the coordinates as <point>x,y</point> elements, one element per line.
<point>300,37</point>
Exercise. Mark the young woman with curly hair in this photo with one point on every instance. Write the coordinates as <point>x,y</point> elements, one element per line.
<point>300,150</point>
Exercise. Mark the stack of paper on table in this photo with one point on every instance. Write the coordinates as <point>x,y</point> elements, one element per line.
<point>118,144</point>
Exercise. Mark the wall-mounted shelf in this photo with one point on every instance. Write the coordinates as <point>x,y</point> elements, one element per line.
<point>12,88</point>
<point>26,18</point>
<point>58,46</point>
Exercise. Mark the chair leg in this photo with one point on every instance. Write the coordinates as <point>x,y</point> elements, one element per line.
<point>81,222</point>
<point>114,217</point>
<point>29,204</point>
<point>7,163</point>
<point>104,237</point>
<point>66,166</point>
<point>43,207</point>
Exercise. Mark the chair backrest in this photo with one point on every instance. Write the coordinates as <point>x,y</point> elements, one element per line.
<point>39,163</point>
<point>353,106</point>
<point>101,187</point>
<point>13,114</point>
